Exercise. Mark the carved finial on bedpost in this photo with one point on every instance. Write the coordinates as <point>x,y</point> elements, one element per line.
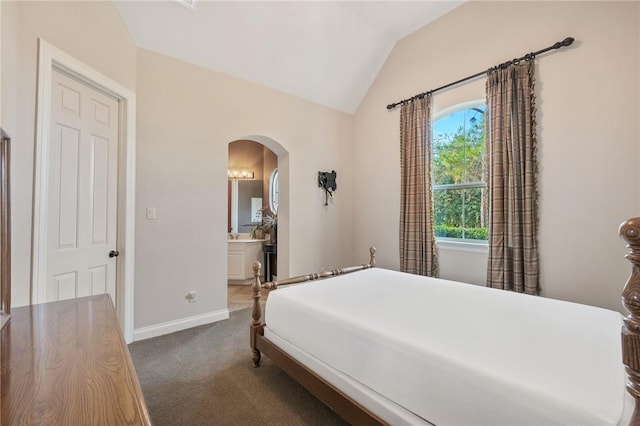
<point>256,314</point>
<point>372,259</point>
<point>630,232</point>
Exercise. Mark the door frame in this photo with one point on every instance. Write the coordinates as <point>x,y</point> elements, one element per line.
<point>283,196</point>
<point>50,58</point>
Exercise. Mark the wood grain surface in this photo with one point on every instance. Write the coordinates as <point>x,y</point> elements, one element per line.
<point>66,363</point>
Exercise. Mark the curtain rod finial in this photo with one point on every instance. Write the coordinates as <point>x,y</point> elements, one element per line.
<point>568,41</point>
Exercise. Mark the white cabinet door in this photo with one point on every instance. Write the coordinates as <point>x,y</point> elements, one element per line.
<point>235,265</point>
<point>240,259</point>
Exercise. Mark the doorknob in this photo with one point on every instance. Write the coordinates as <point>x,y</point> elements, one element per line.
<point>114,253</point>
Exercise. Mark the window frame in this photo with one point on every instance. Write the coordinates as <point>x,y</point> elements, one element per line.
<point>274,190</point>
<point>464,244</point>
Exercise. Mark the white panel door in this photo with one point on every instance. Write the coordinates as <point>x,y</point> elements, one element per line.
<point>82,191</point>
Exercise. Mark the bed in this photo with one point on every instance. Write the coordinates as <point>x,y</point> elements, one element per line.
<point>384,347</point>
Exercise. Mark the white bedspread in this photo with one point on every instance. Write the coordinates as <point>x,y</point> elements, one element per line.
<point>458,354</point>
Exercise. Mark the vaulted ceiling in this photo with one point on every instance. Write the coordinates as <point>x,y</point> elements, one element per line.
<point>327,52</point>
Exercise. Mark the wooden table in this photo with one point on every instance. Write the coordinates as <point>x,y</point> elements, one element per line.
<point>66,363</point>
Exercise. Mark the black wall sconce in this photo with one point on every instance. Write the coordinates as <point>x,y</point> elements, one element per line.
<point>327,181</point>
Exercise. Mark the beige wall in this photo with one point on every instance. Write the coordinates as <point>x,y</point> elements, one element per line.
<point>182,163</point>
<point>8,43</point>
<point>587,127</point>
<point>93,33</point>
<point>247,155</point>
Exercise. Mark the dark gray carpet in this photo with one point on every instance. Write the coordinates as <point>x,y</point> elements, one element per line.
<point>203,376</point>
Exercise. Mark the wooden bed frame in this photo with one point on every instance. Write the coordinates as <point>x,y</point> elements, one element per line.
<point>356,414</point>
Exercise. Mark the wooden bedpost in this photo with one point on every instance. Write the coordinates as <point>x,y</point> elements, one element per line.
<point>630,232</point>
<point>256,314</point>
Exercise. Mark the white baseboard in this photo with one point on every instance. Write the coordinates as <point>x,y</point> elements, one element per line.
<point>180,324</point>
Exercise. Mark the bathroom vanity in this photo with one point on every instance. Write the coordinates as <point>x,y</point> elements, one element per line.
<point>241,254</point>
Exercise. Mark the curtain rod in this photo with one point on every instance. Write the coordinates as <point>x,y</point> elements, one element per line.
<point>529,56</point>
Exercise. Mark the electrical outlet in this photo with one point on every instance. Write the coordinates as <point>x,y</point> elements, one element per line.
<point>192,296</point>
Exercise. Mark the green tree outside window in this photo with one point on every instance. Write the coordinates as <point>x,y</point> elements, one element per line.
<point>458,186</point>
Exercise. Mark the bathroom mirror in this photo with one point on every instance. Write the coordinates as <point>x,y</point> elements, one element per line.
<point>246,202</point>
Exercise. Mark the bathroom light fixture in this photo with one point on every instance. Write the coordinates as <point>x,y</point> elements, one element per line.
<point>239,174</point>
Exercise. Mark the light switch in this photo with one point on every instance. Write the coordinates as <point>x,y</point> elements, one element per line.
<point>151,213</point>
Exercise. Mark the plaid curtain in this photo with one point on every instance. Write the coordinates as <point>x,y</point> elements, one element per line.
<point>512,179</point>
<point>417,239</point>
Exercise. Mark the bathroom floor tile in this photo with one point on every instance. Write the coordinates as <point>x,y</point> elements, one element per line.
<point>241,296</point>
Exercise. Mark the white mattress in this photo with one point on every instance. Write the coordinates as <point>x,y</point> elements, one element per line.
<point>458,354</point>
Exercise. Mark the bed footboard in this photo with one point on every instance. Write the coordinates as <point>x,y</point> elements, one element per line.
<point>343,405</point>
<point>257,325</point>
<point>630,232</point>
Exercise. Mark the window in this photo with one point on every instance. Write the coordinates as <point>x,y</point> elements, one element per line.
<point>273,192</point>
<point>458,186</point>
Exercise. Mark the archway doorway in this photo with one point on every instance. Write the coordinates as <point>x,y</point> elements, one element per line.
<point>252,161</point>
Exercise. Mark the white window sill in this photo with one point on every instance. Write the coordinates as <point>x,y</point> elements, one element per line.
<point>461,245</point>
